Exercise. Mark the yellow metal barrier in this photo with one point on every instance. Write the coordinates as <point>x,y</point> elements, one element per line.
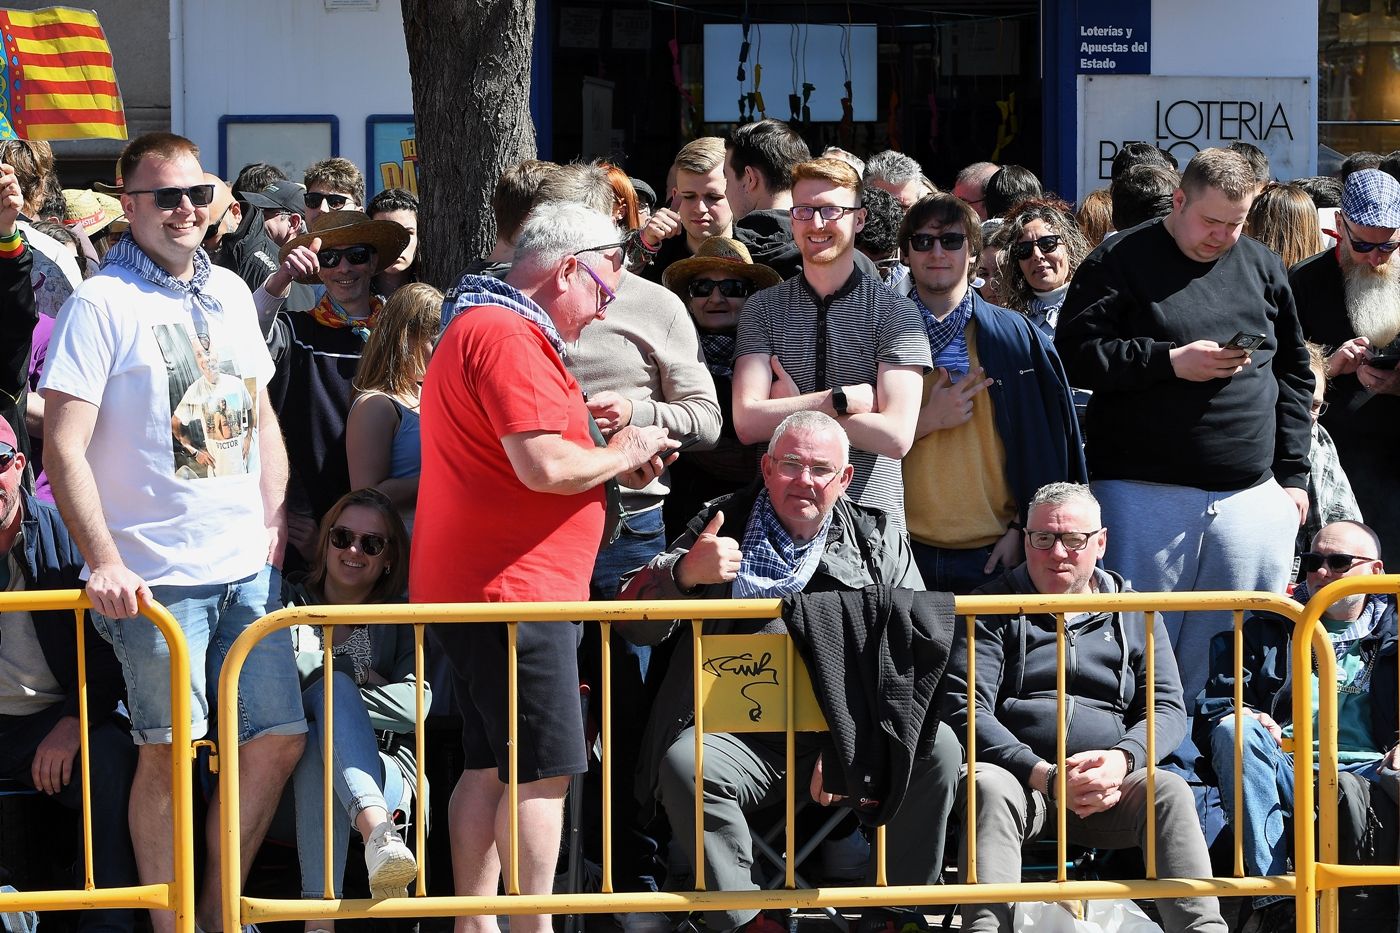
<point>177,894</point>
<point>1302,885</point>
<point>1328,875</point>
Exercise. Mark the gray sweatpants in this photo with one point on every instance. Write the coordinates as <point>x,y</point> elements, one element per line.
<point>1178,539</point>
<point>743,776</point>
<point>1010,814</point>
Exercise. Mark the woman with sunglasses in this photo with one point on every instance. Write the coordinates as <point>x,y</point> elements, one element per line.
<point>381,435</point>
<point>1044,247</point>
<point>715,284</point>
<point>361,558</point>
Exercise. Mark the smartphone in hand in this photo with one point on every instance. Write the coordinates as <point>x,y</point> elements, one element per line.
<point>1246,341</point>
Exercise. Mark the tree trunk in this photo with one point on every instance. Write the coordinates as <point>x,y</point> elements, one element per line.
<point>470,65</point>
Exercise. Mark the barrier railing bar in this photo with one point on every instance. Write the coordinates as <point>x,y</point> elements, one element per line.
<point>1150,646</point>
<point>605,635</point>
<point>1304,856</point>
<point>513,754</point>
<point>970,745</point>
<point>327,758</point>
<point>790,750</point>
<point>1061,821</point>
<point>699,862</point>
<point>1327,787</point>
<point>1237,818</point>
<point>84,753</point>
<point>420,752</point>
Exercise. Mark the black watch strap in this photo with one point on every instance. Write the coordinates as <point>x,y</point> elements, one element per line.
<point>838,399</point>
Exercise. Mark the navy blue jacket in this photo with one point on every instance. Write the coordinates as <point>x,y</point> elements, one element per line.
<point>1268,675</point>
<point>1033,402</point>
<point>51,562</point>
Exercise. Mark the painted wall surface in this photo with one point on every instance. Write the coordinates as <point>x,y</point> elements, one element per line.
<point>299,58</point>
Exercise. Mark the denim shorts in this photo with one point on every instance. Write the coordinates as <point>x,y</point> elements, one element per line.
<point>212,616</point>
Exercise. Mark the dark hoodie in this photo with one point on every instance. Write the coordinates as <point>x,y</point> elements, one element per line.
<point>768,235</point>
<point>1105,683</point>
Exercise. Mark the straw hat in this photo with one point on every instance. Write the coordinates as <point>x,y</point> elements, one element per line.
<point>719,254</point>
<point>352,228</point>
<point>90,210</point>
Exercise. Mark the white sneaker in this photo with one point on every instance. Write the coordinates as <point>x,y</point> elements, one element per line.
<point>390,863</point>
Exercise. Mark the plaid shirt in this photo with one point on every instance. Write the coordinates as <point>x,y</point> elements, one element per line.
<point>773,563</point>
<point>1330,498</point>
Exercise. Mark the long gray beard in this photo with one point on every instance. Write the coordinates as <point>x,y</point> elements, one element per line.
<point>1373,302</point>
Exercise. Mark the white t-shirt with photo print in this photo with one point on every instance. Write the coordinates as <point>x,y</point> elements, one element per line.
<point>177,472</point>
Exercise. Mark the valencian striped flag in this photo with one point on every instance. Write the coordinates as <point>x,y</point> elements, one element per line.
<point>56,80</point>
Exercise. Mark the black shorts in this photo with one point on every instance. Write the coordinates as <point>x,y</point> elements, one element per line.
<point>550,724</point>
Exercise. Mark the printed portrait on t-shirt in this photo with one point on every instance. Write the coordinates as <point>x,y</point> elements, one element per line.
<point>213,421</point>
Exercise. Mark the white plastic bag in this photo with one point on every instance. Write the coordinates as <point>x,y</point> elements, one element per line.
<point>1116,916</point>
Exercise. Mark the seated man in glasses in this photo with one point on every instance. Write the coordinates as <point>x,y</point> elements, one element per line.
<point>1362,632</point>
<point>997,420</point>
<point>317,353</point>
<point>1104,773</point>
<point>797,532</point>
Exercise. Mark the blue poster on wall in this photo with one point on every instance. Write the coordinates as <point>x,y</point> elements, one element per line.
<point>391,145</point>
<point>1112,37</point>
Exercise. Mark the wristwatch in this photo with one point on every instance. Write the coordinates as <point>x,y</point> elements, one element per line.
<point>838,399</point>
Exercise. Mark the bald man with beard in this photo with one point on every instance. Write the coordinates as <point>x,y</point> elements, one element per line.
<point>1348,300</point>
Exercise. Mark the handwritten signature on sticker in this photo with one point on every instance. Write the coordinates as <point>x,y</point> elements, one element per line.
<point>758,672</point>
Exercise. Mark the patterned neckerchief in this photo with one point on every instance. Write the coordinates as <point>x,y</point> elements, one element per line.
<point>127,254</point>
<point>941,333</point>
<point>719,352</point>
<point>330,314</point>
<point>773,564</point>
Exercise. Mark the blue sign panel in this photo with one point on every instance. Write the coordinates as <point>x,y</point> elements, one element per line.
<point>1113,37</point>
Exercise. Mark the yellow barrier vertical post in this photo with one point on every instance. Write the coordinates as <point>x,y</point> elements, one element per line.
<point>420,750</point>
<point>327,750</point>
<point>513,685</point>
<point>971,746</point>
<point>1304,857</point>
<point>1061,827</point>
<point>181,750</point>
<point>605,640</point>
<point>1327,769</point>
<point>696,655</point>
<point>84,754</point>
<point>1237,818</point>
<point>1150,647</point>
<point>790,749</point>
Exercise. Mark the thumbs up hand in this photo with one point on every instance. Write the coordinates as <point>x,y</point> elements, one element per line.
<point>712,559</point>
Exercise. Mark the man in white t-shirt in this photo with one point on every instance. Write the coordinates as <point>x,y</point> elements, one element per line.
<point>157,515</point>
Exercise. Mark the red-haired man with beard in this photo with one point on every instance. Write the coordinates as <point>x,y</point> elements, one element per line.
<point>1348,299</point>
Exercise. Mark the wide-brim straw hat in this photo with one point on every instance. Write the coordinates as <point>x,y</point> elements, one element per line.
<point>719,254</point>
<point>352,228</point>
<point>90,210</point>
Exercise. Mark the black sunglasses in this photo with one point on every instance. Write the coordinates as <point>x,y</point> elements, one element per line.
<point>167,199</point>
<point>923,242</point>
<point>729,288</point>
<point>371,545</point>
<point>355,255</point>
<point>1365,246</point>
<point>213,229</point>
<point>1047,245</point>
<point>313,200</point>
<point>1312,561</point>
<point>7,457</point>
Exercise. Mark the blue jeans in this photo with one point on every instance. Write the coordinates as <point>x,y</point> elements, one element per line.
<point>953,570</point>
<point>212,616</point>
<point>1268,793</point>
<point>361,775</point>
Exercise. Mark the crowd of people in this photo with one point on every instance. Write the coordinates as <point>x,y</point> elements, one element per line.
<point>817,378</point>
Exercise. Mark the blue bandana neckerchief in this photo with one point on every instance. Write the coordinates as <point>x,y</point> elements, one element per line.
<point>127,254</point>
<point>773,564</point>
<point>475,291</point>
<point>1365,623</point>
<point>941,333</point>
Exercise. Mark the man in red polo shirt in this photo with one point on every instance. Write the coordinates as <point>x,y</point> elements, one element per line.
<point>512,508</point>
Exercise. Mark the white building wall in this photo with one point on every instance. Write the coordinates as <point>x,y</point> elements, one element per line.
<point>297,57</point>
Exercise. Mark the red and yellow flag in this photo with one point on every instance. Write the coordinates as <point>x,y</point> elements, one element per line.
<point>56,80</point>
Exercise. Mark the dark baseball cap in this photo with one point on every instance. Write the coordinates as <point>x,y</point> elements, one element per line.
<point>279,196</point>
